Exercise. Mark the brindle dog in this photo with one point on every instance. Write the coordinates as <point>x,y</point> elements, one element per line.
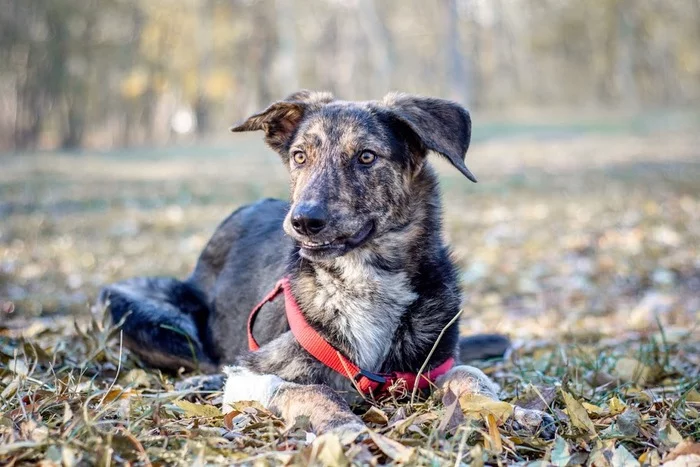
<point>361,243</point>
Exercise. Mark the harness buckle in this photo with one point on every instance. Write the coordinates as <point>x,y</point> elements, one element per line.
<point>370,376</point>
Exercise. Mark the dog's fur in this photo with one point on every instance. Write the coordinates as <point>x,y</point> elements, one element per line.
<point>377,281</point>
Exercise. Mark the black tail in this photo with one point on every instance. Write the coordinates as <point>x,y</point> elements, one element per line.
<point>483,347</point>
<point>164,321</point>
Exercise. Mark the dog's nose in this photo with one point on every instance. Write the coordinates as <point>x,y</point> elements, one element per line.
<point>309,219</point>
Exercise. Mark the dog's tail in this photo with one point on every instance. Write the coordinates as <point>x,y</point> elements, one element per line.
<point>483,347</point>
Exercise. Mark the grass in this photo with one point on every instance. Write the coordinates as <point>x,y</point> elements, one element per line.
<point>584,249</point>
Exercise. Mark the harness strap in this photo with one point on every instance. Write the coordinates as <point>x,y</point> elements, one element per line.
<point>366,381</point>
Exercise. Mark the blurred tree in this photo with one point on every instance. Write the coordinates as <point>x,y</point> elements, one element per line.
<point>114,72</point>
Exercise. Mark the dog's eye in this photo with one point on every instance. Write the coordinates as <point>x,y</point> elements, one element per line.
<point>299,157</point>
<point>366,158</point>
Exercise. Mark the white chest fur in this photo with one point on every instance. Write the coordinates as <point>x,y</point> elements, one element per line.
<point>363,304</point>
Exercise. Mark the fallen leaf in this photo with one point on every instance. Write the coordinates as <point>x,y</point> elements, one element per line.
<point>482,406</point>
<point>198,410</point>
<point>494,434</point>
<point>577,414</point>
<point>650,457</point>
<point>616,406</point>
<point>375,415</point>
<point>18,366</point>
<point>537,398</point>
<point>629,422</point>
<point>392,449</point>
<point>623,458</point>
<point>593,409</point>
<point>228,419</point>
<point>668,434</point>
<point>684,448</point>
<point>328,450</point>
<point>693,396</point>
<point>117,392</point>
<point>561,454</point>
<point>453,416</point>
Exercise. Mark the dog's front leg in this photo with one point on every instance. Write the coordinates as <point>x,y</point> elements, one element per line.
<point>464,379</point>
<point>325,409</point>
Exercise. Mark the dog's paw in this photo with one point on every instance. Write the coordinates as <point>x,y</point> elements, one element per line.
<point>204,383</point>
<point>533,422</point>
<point>464,379</point>
<point>244,385</point>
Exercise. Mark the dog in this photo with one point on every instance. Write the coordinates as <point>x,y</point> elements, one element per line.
<point>352,287</point>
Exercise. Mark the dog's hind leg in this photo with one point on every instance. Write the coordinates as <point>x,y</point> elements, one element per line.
<point>164,321</point>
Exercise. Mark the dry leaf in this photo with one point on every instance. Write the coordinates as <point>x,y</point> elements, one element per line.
<point>453,416</point>
<point>693,396</point>
<point>577,414</point>
<point>668,434</point>
<point>593,409</point>
<point>375,415</point>
<point>392,449</point>
<point>482,406</point>
<point>537,398</point>
<point>561,454</point>
<point>616,406</point>
<point>228,419</point>
<point>684,448</point>
<point>198,410</point>
<point>623,458</point>
<point>328,451</point>
<point>494,434</point>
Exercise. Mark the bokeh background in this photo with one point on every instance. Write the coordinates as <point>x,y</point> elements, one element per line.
<point>116,159</point>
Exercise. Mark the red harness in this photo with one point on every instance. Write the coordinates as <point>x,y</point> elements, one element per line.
<point>366,381</point>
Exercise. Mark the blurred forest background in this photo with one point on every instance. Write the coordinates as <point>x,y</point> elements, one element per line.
<point>113,73</point>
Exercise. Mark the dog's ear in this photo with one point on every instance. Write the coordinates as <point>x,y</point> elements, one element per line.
<point>442,126</point>
<point>281,119</point>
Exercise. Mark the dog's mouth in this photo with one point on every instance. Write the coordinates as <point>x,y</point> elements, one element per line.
<point>315,250</point>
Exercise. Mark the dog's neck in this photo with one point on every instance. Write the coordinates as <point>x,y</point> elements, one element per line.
<point>358,300</point>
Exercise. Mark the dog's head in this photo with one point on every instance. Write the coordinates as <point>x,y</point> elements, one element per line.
<point>353,165</point>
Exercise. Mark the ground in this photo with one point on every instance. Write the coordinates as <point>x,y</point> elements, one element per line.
<point>581,242</point>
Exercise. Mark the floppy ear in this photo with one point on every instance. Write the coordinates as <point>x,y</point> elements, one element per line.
<point>281,119</point>
<point>442,126</point>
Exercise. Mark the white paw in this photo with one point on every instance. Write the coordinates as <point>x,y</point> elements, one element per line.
<point>243,385</point>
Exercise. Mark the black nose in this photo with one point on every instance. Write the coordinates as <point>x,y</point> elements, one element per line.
<point>309,219</point>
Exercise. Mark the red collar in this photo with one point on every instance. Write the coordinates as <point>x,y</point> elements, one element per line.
<point>366,381</point>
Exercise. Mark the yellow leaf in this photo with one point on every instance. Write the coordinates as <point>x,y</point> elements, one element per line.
<point>616,406</point>
<point>593,409</point>
<point>117,393</point>
<point>494,434</point>
<point>693,396</point>
<point>577,414</point>
<point>669,435</point>
<point>328,450</point>
<point>198,410</point>
<point>482,406</point>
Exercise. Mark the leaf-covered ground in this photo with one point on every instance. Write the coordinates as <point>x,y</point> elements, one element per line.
<point>584,248</point>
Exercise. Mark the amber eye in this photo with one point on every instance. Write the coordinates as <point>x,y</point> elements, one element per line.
<point>299,157</point>
<point>366,158</point>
